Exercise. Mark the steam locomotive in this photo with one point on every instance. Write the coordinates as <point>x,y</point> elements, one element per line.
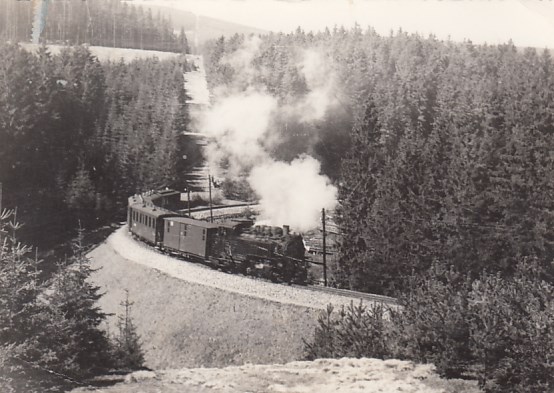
<point>235,246</point>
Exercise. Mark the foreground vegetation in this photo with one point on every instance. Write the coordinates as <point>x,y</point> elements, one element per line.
<point>51,336</point>
<point>493,329</point>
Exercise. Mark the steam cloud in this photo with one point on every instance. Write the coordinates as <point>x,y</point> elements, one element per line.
<point>292,193</point>
<point>241,124</point>
<point>239,127</point>
<point>321,82</point>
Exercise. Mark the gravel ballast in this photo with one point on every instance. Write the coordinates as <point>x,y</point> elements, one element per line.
<point>122,243</point>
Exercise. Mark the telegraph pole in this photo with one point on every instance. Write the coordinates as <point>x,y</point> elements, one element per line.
<point>324,248</point>
<point>210,188</point>
<point>188,198</point>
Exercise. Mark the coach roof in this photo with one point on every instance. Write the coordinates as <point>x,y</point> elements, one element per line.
<point>151,210</point>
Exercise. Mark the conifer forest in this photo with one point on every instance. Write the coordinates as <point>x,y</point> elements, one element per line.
<point>442,151</point>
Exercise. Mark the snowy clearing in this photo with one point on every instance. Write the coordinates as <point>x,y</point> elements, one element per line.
<point>320,376</point>
<point>196,83</point>
<point>104,53</point>
<point>123,244</point>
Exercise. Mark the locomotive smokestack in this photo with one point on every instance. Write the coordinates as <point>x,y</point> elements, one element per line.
<point>286,230</point>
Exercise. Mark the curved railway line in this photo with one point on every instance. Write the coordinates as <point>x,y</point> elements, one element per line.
<point>350,294</point>
<point>221,213</point>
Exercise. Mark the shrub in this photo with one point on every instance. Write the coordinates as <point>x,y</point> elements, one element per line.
<point>512,331</point>
<point>355,331</point>
<point>433,325</point>
<point>237,189</point>
<point>128,354</point>
<point>495,329</point>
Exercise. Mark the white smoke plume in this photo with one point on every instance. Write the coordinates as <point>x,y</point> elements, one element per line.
<point>241,60</point>
<point>239,127</point>
<point>320,80</point>
<point>241,124</point>
<point>292,193</point>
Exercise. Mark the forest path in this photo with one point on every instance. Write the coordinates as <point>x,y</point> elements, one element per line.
<point>196,85</point>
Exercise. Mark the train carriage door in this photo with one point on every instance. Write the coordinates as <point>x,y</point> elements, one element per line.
<point>182,234</point>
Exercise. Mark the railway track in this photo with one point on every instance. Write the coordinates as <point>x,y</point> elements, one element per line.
<point>350,294</point>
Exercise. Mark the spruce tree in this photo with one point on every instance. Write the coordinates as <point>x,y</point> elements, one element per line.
<point>128,353</point>
<point>71,336</point>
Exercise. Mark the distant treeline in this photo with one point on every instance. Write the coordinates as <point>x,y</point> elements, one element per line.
<point>77,136</point>
<point>442,151</point>
<point>100,22</point>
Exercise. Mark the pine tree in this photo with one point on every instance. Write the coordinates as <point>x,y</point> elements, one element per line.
<point>81,195</point>
<point>71,339</point>
<point>361,172</point>
<point>20,312</point>
<point>183,42</point>
<point>128,353</point>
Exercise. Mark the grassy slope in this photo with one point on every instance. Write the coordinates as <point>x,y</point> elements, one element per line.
<point>189,325</point>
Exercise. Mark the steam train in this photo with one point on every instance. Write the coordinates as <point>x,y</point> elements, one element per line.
<point>235,246</point>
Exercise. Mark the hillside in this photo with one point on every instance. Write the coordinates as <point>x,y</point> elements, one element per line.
<point>192,316</point>
<point>199,28</point>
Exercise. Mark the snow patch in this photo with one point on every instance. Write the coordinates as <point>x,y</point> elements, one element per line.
<point>320,376</point>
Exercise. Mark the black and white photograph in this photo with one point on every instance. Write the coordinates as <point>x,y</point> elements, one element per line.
<point>276,196</point>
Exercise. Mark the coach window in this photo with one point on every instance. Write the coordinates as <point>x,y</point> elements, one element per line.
<point>203,234</point>
<point>167,226</point>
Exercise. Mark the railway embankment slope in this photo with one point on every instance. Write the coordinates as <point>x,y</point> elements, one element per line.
<point>189,315</point>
